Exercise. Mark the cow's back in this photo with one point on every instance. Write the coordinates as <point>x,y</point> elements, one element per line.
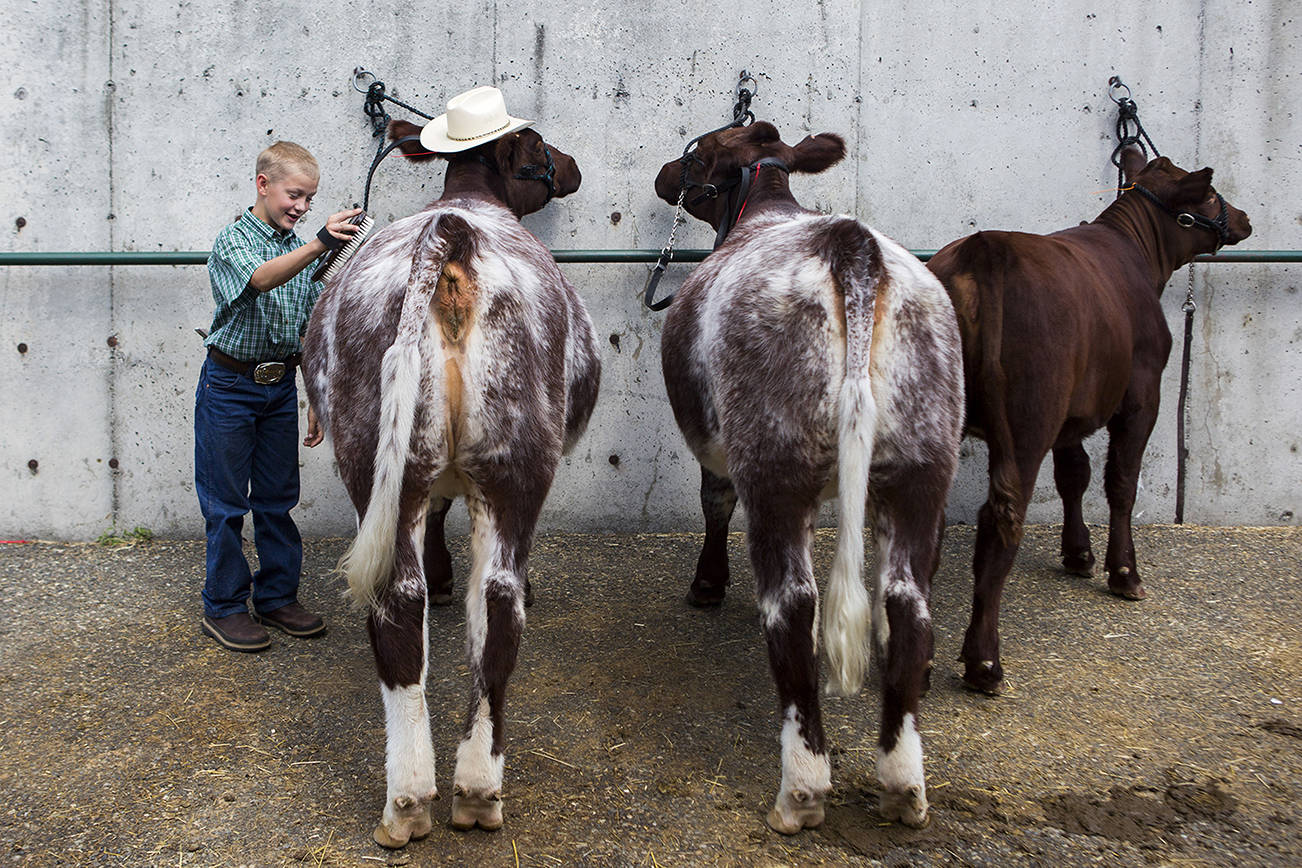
<point>754,346</point>
<point>1059,315</point>
<point>505,344</point>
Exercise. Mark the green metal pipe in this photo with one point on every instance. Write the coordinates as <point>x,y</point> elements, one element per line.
<point>199,257</point>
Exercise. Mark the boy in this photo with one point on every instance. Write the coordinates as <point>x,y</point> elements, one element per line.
<point>246,405</point>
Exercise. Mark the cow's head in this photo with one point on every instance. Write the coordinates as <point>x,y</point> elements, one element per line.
<point>525,172</point>
<point>717,161</point>
<point>1189,197</point>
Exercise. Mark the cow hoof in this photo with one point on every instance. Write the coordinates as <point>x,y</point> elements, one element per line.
<point>796,810</point>
<point>528,593</point>
<point>703,596</point>
<point>908,807</point>
<point>469,811</point>
<point>984,676</point>
<point>440,598</point>
<point>1123,583</point>
<point>407,819</point>
<point>1080,564</point>
<point>1135,592</point>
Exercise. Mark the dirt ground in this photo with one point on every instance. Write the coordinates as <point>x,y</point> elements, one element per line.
<point>644,733</point>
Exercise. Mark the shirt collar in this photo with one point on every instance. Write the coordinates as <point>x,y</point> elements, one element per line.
<point>266,230</point>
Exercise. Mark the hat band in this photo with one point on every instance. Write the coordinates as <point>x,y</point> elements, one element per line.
<point>479,135</point>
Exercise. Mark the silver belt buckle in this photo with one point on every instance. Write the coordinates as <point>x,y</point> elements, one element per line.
<point>268,372</point>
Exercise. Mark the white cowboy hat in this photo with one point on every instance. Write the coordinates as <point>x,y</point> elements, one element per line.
<point>472,118</point>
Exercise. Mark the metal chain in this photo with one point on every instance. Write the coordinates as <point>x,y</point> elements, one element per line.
<point>1190,305</point>
<point>741,116</point>
<point>678,221</point>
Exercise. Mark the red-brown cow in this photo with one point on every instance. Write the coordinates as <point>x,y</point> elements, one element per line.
<point>1062,335</point>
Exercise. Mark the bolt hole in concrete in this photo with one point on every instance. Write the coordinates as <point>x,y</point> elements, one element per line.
<point>22,348</point>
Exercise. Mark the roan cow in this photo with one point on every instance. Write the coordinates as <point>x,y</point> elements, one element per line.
<point>810,356</point>
<point>1064,334</point>
<point>450,357</point>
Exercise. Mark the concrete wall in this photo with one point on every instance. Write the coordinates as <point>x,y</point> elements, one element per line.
<point>133,125</point>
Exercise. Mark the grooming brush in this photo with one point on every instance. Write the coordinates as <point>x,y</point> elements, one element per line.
<point>335,259</point>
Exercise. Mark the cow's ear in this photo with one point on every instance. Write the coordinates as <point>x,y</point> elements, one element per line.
<point>817,152</point>
<point>1132,163</point>
<point>413,150</point>
<point>1195,187</point>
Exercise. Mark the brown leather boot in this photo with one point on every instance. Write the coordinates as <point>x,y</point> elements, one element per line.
<point>294,620</point>
<point>237,632</point>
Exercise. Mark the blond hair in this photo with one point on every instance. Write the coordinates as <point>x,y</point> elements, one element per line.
<point>284,158</point>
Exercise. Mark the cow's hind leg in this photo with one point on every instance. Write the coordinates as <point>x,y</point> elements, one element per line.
<point>438,560</point>
<point>908,521</point>
<point>779,541</point>
<point>718,500</point>
<point>397,629</point>
<point>1071,473</point>
<point>999,534</point>
<point>502,531</point>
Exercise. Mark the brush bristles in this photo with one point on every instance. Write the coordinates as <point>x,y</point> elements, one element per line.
<point>334,261</point>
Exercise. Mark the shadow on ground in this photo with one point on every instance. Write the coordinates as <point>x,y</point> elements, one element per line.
<point>642,732</point>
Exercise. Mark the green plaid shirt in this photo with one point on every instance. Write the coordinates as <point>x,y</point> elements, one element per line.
<point>256,326</point>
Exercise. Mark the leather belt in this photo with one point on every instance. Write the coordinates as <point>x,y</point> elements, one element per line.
<point>263,373</point>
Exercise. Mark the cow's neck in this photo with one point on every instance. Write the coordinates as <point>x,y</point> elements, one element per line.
<point>769,193</point>
<point>1164,245</point>
<point>469,177</point>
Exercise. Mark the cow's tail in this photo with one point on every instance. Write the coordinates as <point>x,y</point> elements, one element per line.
<point>369,560</point>
<point>857,268</point>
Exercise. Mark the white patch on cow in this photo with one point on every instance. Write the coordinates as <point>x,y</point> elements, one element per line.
<point>884,551</point>
<point>776,606</point>
<point>484,547</point>
<point>409,750</point>
<point>478,771</point>
<point>411,584</point>
<point>901,769</point>
<point>489,565</point>
<point>802,769</point>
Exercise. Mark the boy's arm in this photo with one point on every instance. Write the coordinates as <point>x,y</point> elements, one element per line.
<point>278,271</point>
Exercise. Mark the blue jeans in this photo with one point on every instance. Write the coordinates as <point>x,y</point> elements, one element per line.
<point>246,457</point>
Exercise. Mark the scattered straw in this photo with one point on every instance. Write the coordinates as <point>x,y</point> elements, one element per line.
<point>546,755</point>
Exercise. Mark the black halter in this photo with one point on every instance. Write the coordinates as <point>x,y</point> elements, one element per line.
<point>538,173</point>
<point>742,183</point>
<point>535,172</point>
<point>1220,225</point>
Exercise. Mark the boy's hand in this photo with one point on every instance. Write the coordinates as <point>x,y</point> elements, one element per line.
<point>338,227</point>
<point>314,433</point>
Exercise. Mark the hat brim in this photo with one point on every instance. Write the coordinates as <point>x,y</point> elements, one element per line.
<point>434,135</point>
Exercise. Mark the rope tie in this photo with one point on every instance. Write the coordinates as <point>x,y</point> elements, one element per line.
<point>1130,132</point>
